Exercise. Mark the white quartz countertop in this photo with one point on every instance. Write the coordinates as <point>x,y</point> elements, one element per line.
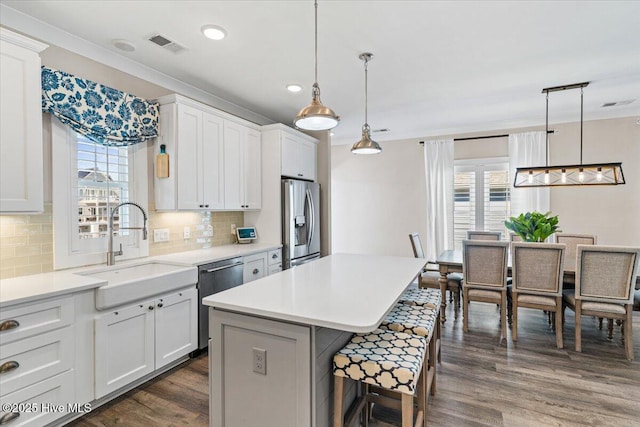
<point>341,291</point>
<point>45,285</point>
<point>30,288</point>
<point>217,253</point>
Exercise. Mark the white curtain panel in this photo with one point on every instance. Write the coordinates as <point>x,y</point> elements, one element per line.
<point>528,149</point>
<point>438,164</point>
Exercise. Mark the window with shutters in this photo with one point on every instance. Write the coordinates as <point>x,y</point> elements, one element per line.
<point>481,197</point>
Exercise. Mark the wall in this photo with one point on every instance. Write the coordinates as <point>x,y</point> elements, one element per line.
<point>324,179</point>
<point>378,200</point>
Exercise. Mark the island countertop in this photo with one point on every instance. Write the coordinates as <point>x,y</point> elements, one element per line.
<point>342,291</point>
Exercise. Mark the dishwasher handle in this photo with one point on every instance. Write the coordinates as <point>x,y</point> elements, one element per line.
<point>224,267</point>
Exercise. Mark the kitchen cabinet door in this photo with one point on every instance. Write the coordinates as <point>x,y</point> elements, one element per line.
<point>255,267</point>
<point>233,159</point>
<point>21,150</point>
<point>176,326</point>
<point>124,346</point>
<point>298,158</point>
<point>252,170</point>
<point>189,161</point>
<point>212,160</point>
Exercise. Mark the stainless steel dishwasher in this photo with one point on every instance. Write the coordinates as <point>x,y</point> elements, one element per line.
<point>213,278</point>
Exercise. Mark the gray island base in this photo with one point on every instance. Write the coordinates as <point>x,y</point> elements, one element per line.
<point>273,340</point>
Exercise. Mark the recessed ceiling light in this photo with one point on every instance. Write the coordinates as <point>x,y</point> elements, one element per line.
<point>294,87</point>
<point>122,44</point>
<point>214,32</point>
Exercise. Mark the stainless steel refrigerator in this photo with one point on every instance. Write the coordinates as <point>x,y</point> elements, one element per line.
<point>300,222</point>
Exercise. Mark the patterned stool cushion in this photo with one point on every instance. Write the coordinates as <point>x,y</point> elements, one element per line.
<point>387,359</point>
<point>411,319</point>
<point>424,297</point>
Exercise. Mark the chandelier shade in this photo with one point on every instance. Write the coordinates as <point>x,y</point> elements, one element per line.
<point>316,116</point>
<point>568,175</point>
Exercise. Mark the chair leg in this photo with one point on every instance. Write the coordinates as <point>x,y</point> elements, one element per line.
<point>553,321</point>
<point>366,409</point>
<point>503,316</point>
<point>423,392</point>
<point>465,310</point>
<point>600,323</point>
<point>558,316</point>
<point>338,397</point>
<point>407,410</point>
<point>514,316</point>
<point>578,325</point>
<point>610,328</point>
<point>628,336</point>
<point>439,331</point>
<point>431,363</point>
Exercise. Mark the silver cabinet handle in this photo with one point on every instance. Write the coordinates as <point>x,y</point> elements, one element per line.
<point>9,324</point>
<point>9,366</point>
<point>256,271</point>
<point>8,417</point>
<point>274,256</point>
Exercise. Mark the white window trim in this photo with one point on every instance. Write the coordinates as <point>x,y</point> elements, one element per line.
<point>65,204</point>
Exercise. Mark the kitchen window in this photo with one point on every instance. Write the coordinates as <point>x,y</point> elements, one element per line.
<point>89,180</point>
<point>481,197</point>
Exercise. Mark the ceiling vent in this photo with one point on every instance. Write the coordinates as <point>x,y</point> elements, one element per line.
<point>165,43</point>
<point>617,103</point>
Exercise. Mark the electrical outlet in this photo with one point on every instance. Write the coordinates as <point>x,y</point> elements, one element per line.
<point>187,232</point>
<point>233,229</point>
<point>260,361</point>
<point>161,235</point>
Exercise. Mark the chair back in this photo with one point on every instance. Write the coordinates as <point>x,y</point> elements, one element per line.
<point>416,245</point>
<point>537,268</point>
<point>513,237</point>
<point>484,264</point>
<point>484,235</point>
<point>607,273</point>
<point>572,241</point>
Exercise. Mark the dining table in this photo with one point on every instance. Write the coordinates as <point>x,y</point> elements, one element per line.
<point>450,261</point>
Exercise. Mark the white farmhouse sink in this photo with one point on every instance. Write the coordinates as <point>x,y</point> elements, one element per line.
<point>134,282</point>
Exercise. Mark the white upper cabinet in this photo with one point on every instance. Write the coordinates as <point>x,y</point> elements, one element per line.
<point>298,157</point>
<point>212,159</point>
<point>242,160</point>
<point>21,181</point>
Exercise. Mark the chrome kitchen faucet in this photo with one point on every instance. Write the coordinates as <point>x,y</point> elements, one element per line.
<point>111,254</point>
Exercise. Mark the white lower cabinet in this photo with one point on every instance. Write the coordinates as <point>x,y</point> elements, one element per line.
<point>255,267</point>
<point>134,340</point>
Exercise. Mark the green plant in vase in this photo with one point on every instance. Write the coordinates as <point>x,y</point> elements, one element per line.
<point>533,226</point>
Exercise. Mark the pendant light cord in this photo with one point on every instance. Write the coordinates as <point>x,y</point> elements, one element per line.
<point>546,131</point>
<point>581,115</point>
<point>315,4</point>
<point>366,61</point>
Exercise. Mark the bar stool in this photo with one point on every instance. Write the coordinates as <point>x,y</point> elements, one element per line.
<point>424,322</point>
<point>428,298</point>
<point>386,359</point>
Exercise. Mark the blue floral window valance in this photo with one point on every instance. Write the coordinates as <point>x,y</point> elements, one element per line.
<point>104,115</point>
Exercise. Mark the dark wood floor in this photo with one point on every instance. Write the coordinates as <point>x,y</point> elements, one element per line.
<point>480,383</point>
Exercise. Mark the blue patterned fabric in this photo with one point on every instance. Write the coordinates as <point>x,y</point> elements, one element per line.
<point>104,115</point>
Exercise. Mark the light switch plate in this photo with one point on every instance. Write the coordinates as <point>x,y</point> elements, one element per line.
<point>187,232</point>
<point>161,235</point>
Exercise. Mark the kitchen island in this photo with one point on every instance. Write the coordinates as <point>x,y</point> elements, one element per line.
<point>273,340</point>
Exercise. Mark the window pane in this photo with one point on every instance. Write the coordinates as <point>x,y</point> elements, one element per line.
<point>496,200</point>
<point>102,183</point>
<point>464,206</point>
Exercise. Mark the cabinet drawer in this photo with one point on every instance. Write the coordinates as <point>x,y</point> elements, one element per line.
<point>254,270</point>
<point>275,268</point>
<point>33,359</point>
<point>274,257</point>
<point>32,319</point>
<point>54,393</point>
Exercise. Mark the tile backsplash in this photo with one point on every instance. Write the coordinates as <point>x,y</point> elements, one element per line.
<point>26,241</point>
<point>26,244</point>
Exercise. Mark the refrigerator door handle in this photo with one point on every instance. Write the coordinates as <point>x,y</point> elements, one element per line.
<point>311,216</point>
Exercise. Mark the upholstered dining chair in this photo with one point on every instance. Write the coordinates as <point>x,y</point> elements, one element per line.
<point>605,279</point>
<point>537,270</point>
<point>484,235</point>
<point>570,256</point>
<point>513,237</point>
<point>484,271</point>
<point>430,277</point>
